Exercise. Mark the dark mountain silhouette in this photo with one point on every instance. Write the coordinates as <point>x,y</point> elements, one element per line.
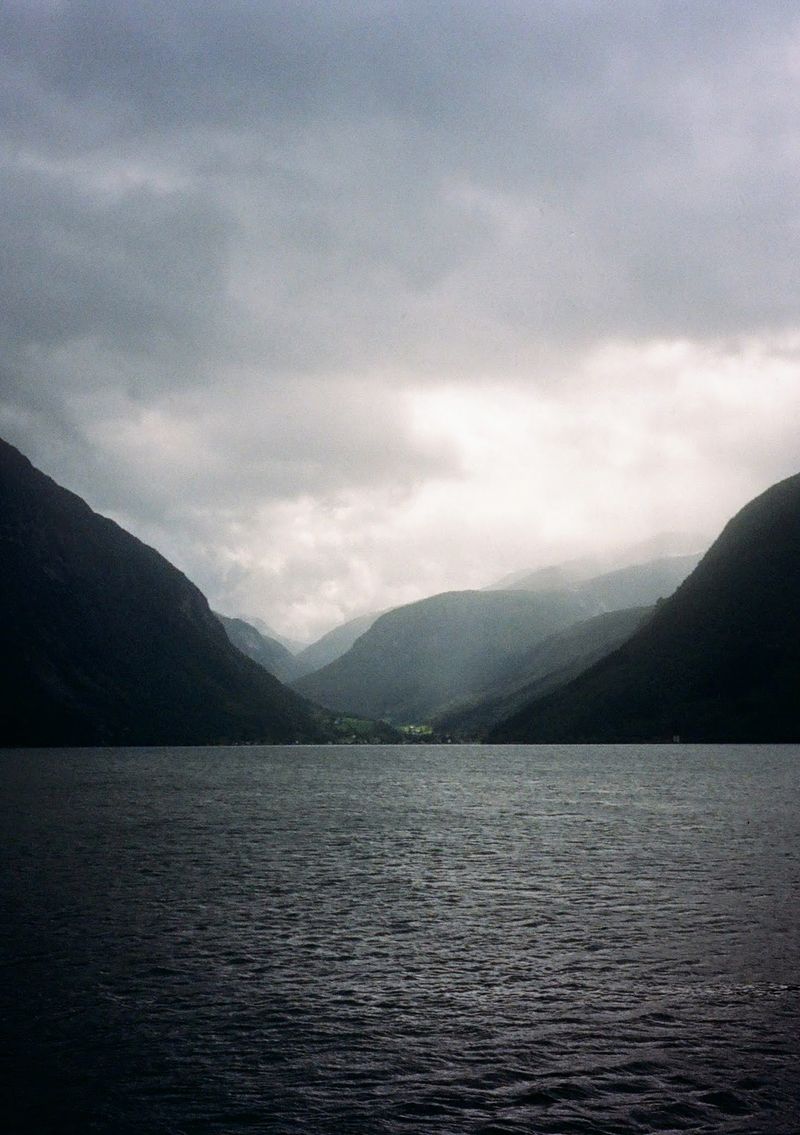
<point>718,661</point>
<point>267,652</point>
<point>105,642</point>
<point>551,663</point>
<point>333,644</point>
<point>424,659</point>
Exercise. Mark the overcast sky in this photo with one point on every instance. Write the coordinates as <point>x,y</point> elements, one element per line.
<point>339,304</point>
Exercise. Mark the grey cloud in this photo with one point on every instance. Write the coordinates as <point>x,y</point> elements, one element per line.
<point>140,270</point>
<point>318,146</point>
<point>222,452</point>
<point>254,227</point>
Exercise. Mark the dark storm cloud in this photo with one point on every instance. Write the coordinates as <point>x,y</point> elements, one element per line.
<point>143,271</point>
<point>555,170</point>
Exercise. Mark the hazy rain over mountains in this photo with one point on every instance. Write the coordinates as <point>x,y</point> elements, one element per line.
<point>341,305</point>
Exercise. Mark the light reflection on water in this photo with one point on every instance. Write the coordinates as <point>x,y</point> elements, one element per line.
<point>418,939</point>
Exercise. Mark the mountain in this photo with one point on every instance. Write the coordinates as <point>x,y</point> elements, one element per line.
<point>105,642</point>
<point>267,652</point>
<point>638,585</point>
<point>633,585</point>
<point>551,663</point>
<point>426,658</point>
<point>718,661</point>
<point>418,659</point>
<point>293,645</point>
<point>555,577</point>
<point>333,644</point>
<point>661,546</point>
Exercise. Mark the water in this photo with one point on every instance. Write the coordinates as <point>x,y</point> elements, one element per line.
<point>400,940</point>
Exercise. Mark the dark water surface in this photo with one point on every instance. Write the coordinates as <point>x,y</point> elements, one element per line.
<point>418,939</point>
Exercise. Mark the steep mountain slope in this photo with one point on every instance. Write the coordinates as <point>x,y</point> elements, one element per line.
<point>333,644</point>
<point>418,659</point>
<point>551,663</point>
<point>267,652</point>
<point>105,642</point>
<point>718,661</point>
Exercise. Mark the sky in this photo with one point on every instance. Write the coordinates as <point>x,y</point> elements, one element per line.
<point>341,304</point>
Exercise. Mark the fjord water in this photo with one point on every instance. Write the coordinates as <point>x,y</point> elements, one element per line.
<point>419,939</point>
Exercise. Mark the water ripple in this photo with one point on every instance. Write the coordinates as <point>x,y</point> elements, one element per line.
<point>384,941</point>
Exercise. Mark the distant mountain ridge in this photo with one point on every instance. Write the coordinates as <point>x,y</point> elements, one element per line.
<point>333,644</point>
<point>661,547</point>
<point>293,645</point>
<point>553,577</point>
<point>638,585</point>
<point>105,642</point>
<point>417,659</point>
<point>424,659</point>
<point>718,661</point>
<point>267,652</point>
